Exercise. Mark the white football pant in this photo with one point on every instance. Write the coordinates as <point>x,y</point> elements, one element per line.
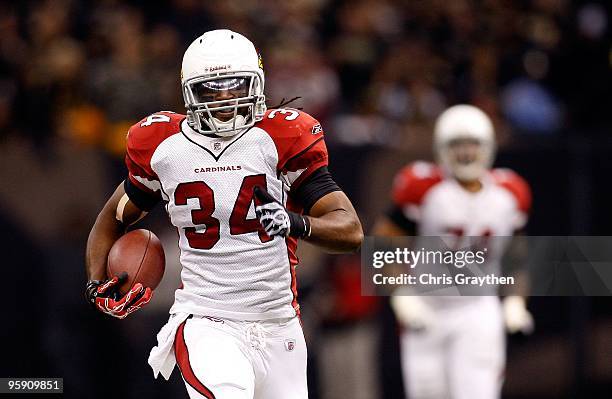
<point>228,359</point>
<point>461,356</point>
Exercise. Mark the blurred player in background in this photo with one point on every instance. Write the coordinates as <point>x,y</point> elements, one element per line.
<point>454,347</point>
<point>242,184</point>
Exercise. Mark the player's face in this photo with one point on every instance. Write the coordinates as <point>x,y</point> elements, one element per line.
<point>222,89</point>
<point>467,159</point>
<point>465,152</point>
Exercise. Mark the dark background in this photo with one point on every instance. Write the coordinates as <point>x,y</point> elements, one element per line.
<point>75,74</point>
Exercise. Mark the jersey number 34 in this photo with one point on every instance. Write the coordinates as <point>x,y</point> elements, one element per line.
<point>238,221</point>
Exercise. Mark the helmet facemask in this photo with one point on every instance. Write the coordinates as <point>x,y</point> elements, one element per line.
<point>242,102</point>
<point>467,159</point>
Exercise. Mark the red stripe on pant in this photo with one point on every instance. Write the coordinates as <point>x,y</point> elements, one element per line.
<point>182,359</point>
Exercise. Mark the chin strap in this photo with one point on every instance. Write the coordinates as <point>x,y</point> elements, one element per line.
<point>196,123</point>
<point>236,123</point>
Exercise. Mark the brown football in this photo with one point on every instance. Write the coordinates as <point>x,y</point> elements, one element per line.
<point>138,253</point>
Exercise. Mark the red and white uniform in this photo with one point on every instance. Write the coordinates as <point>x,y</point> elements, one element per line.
<point>243,340</point>
<point>440,206</point>
<point>231,268</point>
<point>462,354</point>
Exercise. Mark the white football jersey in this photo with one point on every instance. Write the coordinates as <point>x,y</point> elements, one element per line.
<point>442,208</point>
<point>230,267</point>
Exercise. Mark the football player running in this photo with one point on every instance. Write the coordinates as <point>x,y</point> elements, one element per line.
<point>241,184</point>
<point>454,347</point>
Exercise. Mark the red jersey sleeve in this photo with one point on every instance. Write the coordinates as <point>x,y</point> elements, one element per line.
<point>299,142</point>
<point>142,140</point>
<point>516,185</point>
<point>412,182</point>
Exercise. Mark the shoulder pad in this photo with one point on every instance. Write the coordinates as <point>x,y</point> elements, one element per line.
<point>154,129</point>
<point>413,181</point>
<point>144,137</point>
<point>292,131</point>
<point>289,122</point>
<point>516,185</point>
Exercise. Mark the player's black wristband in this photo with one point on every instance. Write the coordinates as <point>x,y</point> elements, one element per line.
<point>299,225</point>
<point>91,291</point>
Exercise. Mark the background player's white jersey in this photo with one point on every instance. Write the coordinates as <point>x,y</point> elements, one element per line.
<point>231,268</point>
<point>442,208</point>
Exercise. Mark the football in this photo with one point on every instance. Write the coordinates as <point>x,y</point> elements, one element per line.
<point>138,253</point>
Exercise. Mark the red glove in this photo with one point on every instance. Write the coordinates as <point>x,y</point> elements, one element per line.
<point>105,296</point>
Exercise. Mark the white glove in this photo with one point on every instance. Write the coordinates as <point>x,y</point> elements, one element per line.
<point>276,219</point>
<point>412,312</point>
<point>516,316</point>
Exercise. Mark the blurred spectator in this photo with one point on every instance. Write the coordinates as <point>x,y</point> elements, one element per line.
<point>299,69</point>
<point>530,108</point>
<point>117,62</point>
<point>74,75</point>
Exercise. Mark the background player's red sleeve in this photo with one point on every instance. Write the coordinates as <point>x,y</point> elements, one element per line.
<point>517,186</point>
<point>412,182</point>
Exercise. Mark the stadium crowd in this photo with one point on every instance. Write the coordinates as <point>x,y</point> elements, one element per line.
<point>74,75</point>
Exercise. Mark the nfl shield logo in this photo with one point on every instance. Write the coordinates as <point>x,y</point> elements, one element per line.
<point>217,146</point>
<point>290,345</point>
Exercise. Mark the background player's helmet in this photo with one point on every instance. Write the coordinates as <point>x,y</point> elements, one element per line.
<point>464,124</point>
<point>223,61</point>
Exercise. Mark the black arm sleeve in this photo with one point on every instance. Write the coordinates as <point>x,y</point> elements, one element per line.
<point>396,215</point>
<point>143,200</point>
<point>317,185</point>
